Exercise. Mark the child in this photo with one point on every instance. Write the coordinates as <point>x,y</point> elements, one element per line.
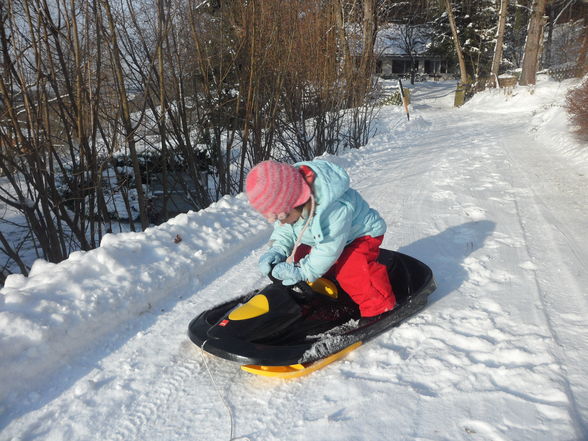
<point>321,227</point>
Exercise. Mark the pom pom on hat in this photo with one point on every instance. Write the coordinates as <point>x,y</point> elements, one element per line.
<point>274,188</point>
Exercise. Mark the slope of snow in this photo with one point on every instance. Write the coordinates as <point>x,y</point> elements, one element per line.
<point>491,196</point>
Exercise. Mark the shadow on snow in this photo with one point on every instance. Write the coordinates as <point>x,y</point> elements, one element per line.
<point>446,252</point>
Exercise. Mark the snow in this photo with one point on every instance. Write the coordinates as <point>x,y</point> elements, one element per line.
<point>491,196</point>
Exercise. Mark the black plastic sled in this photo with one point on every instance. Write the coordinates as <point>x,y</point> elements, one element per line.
<point>291,331</point>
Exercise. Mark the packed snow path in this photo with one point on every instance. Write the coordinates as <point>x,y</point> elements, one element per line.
<point>501,352</point>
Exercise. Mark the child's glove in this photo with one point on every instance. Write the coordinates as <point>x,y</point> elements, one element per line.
<point>270,258</point>
<point>288,273</point>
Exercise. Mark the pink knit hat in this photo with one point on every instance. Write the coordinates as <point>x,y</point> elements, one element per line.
<point>274,188</point>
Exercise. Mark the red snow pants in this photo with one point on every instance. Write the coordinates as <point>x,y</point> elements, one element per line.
<point>357,272</point>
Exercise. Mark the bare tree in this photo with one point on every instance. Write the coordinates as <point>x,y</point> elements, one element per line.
<point>340,21</point>
<point>458,50</point>
<point>411,38</point>
<point>369,30</point>
<point>97,97</point>
<point>59,128</point>
<point>498,49</point>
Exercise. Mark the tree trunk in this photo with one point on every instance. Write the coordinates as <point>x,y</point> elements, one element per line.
<point>162,123</point>
<point>499,40</point>
<point>369,34</point>
<point>462,67</point>
<point>551,20</point>
<point>369,38</point>
<point>533,44</point>
<point>342,38</point>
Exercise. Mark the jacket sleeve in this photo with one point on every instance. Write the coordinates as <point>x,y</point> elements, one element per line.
<point>336,225</point>
<point>283,238</point>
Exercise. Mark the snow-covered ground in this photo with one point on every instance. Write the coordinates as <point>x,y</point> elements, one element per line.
<point>492,196</point>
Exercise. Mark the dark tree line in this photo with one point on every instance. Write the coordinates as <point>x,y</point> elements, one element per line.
<point>113,113</point>
<point>488,37</point>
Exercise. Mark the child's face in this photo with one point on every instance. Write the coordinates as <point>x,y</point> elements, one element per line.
<point>293,216</point>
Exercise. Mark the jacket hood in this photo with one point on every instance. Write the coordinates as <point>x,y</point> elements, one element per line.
<point>330,184</point>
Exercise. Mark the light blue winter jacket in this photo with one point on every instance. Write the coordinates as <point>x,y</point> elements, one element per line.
<point>341,216</point>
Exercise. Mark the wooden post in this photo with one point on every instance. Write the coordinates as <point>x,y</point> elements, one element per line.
<point>404,98</point>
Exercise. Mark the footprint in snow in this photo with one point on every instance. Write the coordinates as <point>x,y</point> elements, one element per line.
<point>475,213</point>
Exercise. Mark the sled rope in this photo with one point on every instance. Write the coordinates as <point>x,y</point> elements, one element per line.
<point>290,258</point>
<point>221,396</point>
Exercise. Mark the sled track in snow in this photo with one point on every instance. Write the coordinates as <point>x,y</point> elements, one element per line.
<point>564,309</point>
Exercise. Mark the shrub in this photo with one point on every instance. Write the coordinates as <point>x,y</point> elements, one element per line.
<point>577,106</point>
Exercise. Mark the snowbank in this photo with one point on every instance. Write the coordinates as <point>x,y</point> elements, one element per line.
<point>548,118</point>
<point>62,308</point>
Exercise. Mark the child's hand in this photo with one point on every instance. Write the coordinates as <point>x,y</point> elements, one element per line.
<point>288,273</point>
<point>267,260</point>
